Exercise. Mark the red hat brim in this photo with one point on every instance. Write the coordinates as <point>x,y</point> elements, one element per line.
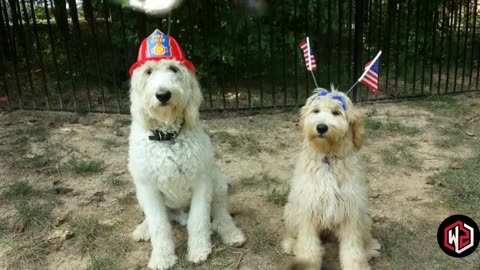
<point>138,64</point>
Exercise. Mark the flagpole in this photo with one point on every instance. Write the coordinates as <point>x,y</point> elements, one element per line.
<point>314,80</point>
<point>310,62</point>
<point>353,86</point>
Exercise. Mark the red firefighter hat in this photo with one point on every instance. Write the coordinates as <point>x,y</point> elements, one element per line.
<point>157,47</point>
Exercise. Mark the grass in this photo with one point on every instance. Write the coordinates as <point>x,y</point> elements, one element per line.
<point>3,228</point>
<point>373,126</point>
<point>245,142</point>
<point>82,166</point>
<point>26,253</point>
<point>447,106</point>
<point>39,132</point>
<point>259,179</point>
<point>400,154</point>
<point>446,143</point>
<point>34,162</point>
<point>115,180</point>
<point>105,248</point>
<point>261,241</point>
<point>87,230</point>
<point>110,143</point>
<point>127,199</point>
<point>277,196</point>
<point>37,213</point>
<point>123,121</point>
<point>392,126</point>
<point>462,186</point>
<point>404,248</point>
<point>17,190</point>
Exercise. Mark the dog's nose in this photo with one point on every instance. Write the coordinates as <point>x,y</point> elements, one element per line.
<point>164,96</point>
<point>322,129</point>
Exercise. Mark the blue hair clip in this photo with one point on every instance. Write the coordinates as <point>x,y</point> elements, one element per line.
<point>324,92</point>
<point>342,100</point>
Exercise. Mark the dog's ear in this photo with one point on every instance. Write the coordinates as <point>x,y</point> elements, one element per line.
<point>355,121</point>
<point>302,115</point>
<point>192,114</point>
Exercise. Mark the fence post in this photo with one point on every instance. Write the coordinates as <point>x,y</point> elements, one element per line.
<point>357,47</point>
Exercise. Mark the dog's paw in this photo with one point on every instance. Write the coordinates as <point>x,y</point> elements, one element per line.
<point>141,232</point>
<point>198,255</point>
<point>288,245</point>
<point>159,262</point>
<point>235,238</point>
<point>373,248</point>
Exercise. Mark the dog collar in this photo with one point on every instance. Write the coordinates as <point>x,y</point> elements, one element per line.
<point>160,136</point>
<point>326,160</point>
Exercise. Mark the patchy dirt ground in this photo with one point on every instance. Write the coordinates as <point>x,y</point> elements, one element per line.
<point>67,202</point>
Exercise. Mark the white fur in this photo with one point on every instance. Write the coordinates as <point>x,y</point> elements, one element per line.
<point>172,176</point>
<point>329,196</point>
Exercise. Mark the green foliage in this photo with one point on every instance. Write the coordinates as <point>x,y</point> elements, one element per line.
<point>17,190</point>
<point>82,166</point>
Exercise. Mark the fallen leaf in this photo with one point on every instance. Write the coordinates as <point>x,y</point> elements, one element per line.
<point>74,120</point>
<point>99,193</point>
<point>414,199</point>
<point>118,132</point>
<point>98,196</point>
<point>18,228</point>
<point>431,182</point>
<point>56,238</point>
<point>456,165</point>
<point>379,219</point>
<point>62,190</point>
<point>62,218</point>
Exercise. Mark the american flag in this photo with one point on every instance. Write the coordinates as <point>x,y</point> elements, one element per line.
<point>370,78</point>
<point>308,55</point>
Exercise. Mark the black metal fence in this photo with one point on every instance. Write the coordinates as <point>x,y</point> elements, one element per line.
<point>74,56</point>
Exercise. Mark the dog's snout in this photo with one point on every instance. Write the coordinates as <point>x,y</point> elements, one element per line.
<point>322,128</point>
<point>163,95</point>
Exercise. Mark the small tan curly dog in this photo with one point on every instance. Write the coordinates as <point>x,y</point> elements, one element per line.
<point>328,190</point>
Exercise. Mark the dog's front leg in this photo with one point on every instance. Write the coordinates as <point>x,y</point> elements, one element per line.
<point>163,248</point>
<point>309,247</point>
<point>198,226</point>
<point>353,255</point>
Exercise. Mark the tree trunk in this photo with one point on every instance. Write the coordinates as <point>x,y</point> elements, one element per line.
<point>61,18</point>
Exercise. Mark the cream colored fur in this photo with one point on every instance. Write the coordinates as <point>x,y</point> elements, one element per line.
<point>329,196</point>
<point>171,176</point>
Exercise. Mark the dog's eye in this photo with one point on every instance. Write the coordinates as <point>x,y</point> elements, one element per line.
<point>336,113</point>
<point>173,69</point>
<point>148,71</point>
<point>316,111</point>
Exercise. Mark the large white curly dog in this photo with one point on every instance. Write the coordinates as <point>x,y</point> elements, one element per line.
<point>172,164</point>
<point>328,189</point>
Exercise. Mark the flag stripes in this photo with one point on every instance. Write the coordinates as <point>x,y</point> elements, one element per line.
<point>370,79</point>
<point>310,62</point>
